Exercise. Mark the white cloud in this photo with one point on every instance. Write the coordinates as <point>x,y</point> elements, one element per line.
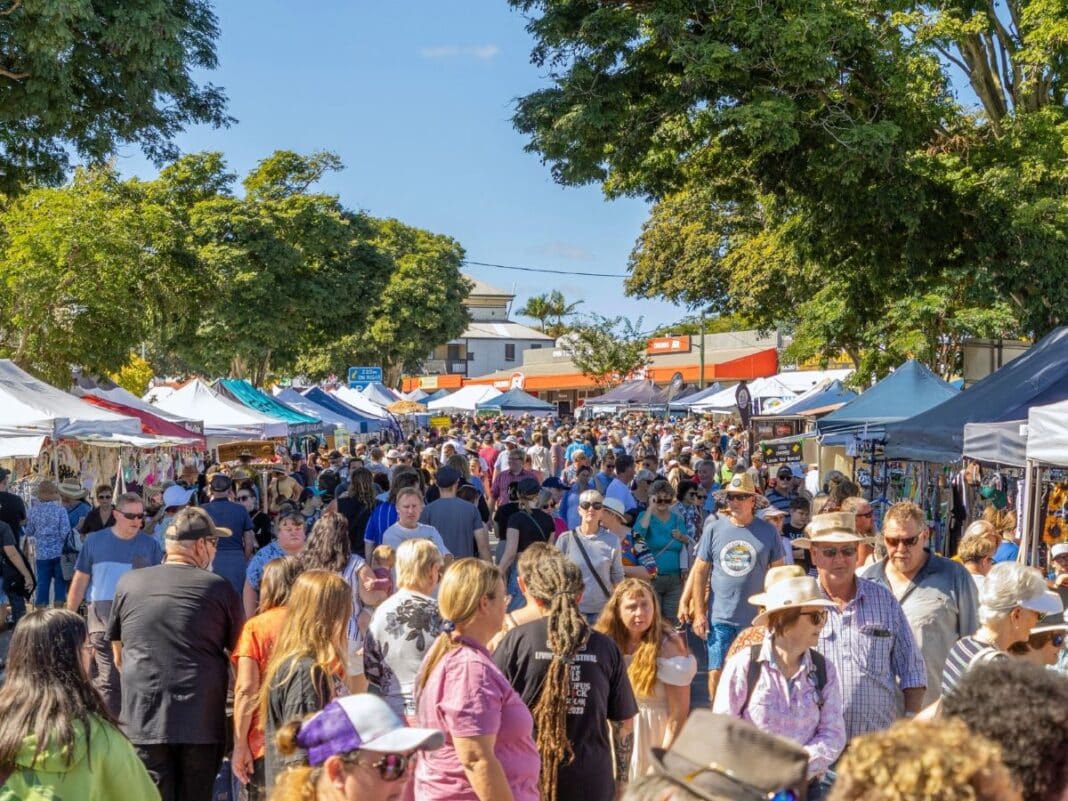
<point>563,250</point>
<point>480,52</point>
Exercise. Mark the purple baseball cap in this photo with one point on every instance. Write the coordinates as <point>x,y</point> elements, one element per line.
<point>361,722</point>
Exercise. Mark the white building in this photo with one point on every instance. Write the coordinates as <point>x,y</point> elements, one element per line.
<point>491,342</point>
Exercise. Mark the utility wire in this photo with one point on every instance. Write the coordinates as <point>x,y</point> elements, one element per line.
<point>541,270</point>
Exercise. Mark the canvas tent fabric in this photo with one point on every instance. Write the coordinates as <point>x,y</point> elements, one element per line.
<point>358,420</point>
<point>641,392</point>
<point>30,407</point>
<point>803,380</point>
<point>244,393</point>
<point>911,389</point>
<point>1047,434</point>
<point>360,403</point>
<point>416,395</point>
<point>151,424</point>
<point>465,399</point>
<point>684,402</point>
<point>116,394</point>
<point>436,395</point>
<point>761,390</point>
<point>516,401</point>
<point>1038,377</point>
<point>996,443</point>
<point>294,400</point>
<point>224,420</point>
<point>826,393</point>
<point>379,393</point>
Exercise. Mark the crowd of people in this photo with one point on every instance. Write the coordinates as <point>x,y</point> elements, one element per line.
<point>518,609</point>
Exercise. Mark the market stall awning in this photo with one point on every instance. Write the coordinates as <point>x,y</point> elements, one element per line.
<point>826,396</point>
<point>224,419</point>
<point>244,393</point>
<point>1038,377</point>
<point>1047,434</point>
<point>640,393</point>
<point>379,393</point>
<point>516,402</point>
<point>357,420</point>
<point>996,443</point>
<point>360,402</point>
<point>116,394</point>
<point>151,424</point>
<point>465,399</point>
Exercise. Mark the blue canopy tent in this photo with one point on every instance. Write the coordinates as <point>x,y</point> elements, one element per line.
<point>516,402</point>
<point>294,400</point>
<point>639,394</point>
<point>433,396</point>
<point>834,393</point>
<point>1039,377</point>
<point>912,388</point>
<point>357,422</point>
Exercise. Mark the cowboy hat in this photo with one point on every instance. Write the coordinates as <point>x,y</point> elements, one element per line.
<point>791,593</point>
<point>742,484</point>
<point>72,489</point>
<point>832,527</point>
<point>774,576</point>
<point>725,758</point>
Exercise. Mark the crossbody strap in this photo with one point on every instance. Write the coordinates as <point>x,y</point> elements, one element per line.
<point>589,564</point>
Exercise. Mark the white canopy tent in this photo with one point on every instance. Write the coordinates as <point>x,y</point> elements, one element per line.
<point>360,402</point>
<point>762,390</point>
<point>1046,437</point>
<point>126,398</point>
<point>224,420</point>
<point>465,399</point>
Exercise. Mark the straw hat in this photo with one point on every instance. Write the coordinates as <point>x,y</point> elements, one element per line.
<point>774,576</point>
<point>72,489</point>
<point>742,484</point>
<point>47,491</point>
<point>615,506</point>
<point>832,527</point>
<point>791,593</point>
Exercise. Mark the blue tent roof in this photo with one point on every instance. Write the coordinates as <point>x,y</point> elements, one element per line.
<point>835,392</point>
<point>433,396</point>
<point>640,392</point>
<point>331,420</point>
<point>380,394</point>
<point>1037,378</point>
<point>910,389</point>
<point>516,400</point>
<point>358,422</point>
<point>237,389</point>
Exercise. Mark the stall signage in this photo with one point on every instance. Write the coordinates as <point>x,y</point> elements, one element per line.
<point>781,452</point>
<point>441,422</point>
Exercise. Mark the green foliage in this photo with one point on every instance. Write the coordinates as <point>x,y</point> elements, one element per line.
<point>134,376</point>
<point>85,76</point>
<point>550,305</point>
<point>608,349</point>
<point>537,308</point>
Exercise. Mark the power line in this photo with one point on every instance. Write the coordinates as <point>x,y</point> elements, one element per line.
<point>541,270</point>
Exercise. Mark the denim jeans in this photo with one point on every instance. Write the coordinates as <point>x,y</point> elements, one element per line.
<point>18,607</point>
<point>518,601</point>
<point>49,570</point>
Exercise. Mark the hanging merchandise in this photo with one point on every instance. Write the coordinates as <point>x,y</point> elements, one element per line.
<point>1055,525</point>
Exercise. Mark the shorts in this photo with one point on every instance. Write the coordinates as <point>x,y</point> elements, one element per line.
<point>720,637</point>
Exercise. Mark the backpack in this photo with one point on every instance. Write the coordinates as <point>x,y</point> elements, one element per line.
<point>819,663</point>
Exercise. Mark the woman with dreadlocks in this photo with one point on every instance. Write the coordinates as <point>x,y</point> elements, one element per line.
<point>574,680</point>
<point>489,754</point>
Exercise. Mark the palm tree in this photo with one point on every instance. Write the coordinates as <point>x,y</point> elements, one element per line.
<point>538,308</point>
<point>560,308</point>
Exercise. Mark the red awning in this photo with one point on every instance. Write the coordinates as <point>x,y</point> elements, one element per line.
<point>150,423</point>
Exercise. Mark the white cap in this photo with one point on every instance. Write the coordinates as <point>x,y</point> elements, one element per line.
<point>1059,549</point>
<point>1048,603</point>
<point>176,495</point>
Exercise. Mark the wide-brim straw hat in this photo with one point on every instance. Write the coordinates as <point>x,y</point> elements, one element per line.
<point>72,489</point>
<point>792,593</point>
<point>742,484</point>
<point>774,576</point>
<point>832,528</point>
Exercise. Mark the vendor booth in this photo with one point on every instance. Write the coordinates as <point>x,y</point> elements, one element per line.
<point>516,403</point>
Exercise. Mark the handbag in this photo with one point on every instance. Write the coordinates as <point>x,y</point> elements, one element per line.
<point>589,563</point>
<point>69,557</point>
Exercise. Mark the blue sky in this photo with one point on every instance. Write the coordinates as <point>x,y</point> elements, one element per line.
<point>416,96</point>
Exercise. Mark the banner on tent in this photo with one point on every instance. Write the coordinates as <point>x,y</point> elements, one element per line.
<point>440,422</point>
<point>360,377</point>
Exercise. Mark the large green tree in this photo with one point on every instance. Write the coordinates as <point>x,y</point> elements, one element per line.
<point>607,350</point>
<point>81,77</point>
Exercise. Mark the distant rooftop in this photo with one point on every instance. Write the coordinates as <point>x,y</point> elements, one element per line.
<point>482,289</point>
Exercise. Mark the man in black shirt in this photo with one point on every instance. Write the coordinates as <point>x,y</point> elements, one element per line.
<point>171,627</point>
<point>800,513</point>
<point>12,509</point>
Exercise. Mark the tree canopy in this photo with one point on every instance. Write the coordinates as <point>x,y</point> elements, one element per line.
<point>810,166</point>
<point>607,349</point>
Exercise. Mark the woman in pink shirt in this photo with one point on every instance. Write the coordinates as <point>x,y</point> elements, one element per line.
<point>489,750</point>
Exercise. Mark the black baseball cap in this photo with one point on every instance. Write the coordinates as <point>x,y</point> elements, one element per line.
<point>784,472</point>
<point>528,486</point>
<point>447,477</point>
<point>220,482</point>
<point>192,523</point>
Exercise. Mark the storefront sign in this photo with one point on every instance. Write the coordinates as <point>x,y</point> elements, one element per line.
<point>518,380</point>
<point>668,345</point>
<point>428,382</point>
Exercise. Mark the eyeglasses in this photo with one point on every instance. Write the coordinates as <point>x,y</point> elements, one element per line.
<point>735,498</point>
<point>845,550</point>
<point>390,767</point>
<point>904,542</point>
<point>212,541</point>
<point>133,515</point>
<point>818,618</point>
<point>591,505</point>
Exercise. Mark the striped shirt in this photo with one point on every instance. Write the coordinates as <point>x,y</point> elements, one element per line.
<point>874,651</point>
<point>966,654</point>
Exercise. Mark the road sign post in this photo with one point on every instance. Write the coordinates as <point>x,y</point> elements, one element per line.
<point>360,377</point>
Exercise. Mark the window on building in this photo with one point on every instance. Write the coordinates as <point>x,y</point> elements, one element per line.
<point>454,353</point>
<point>509,353</point>
<point>535,347</point>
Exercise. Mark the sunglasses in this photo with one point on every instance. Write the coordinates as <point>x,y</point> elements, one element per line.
<point>1041,640</point>
<point>818,618</point>
<point>845,550</point>
<point>133,515</point>
<point>699,495</point>
<point>904,542</point>
<point>591,505</point>
<point>390,767</point>
<point>735,498</point>
<point>103,496</point>
<point>663,501</point>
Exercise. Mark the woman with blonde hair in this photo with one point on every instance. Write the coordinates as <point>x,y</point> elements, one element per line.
<point>308,661</point>
<point>489,753</point>
<point>1004,523</point>
<point>659,665</point>
<point>575,682</point>
<point>250,658</point>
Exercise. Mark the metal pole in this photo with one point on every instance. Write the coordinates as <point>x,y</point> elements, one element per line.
<point>701,383</point>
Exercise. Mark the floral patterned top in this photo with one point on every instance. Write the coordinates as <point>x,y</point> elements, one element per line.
<point>787,706</point>
<point>48,523</point>
<point>403,628</point>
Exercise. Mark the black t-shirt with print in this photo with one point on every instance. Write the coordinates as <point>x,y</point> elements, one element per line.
<point>600,691</point>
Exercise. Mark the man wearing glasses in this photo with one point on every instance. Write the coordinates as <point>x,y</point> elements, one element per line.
<point>880,670</point>
<point>938,595</point>
<point>171,628</point>
<point>736,549</point>
<point>105,557</point>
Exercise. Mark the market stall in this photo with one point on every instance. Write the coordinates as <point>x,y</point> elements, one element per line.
<point>225,420</point>
<point>465,399</point>
<point>516,403</point>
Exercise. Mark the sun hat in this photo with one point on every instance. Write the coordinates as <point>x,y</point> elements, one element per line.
<point>832,527</point>
<point>1059,549</point>
<point>1051,623</point>
<point>72,489</point>
<point>193,523</point>
<point>722,758</point>
<point>771,511</point>
<point>791,593</point>
<point>774,576</point>
<point>615,506</point>
<point>1045,603</point>
<point>361,722</point>
<point>393,453</point>
<point>176,496</point>
<point>742,484</point>
<point>48,491</point>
